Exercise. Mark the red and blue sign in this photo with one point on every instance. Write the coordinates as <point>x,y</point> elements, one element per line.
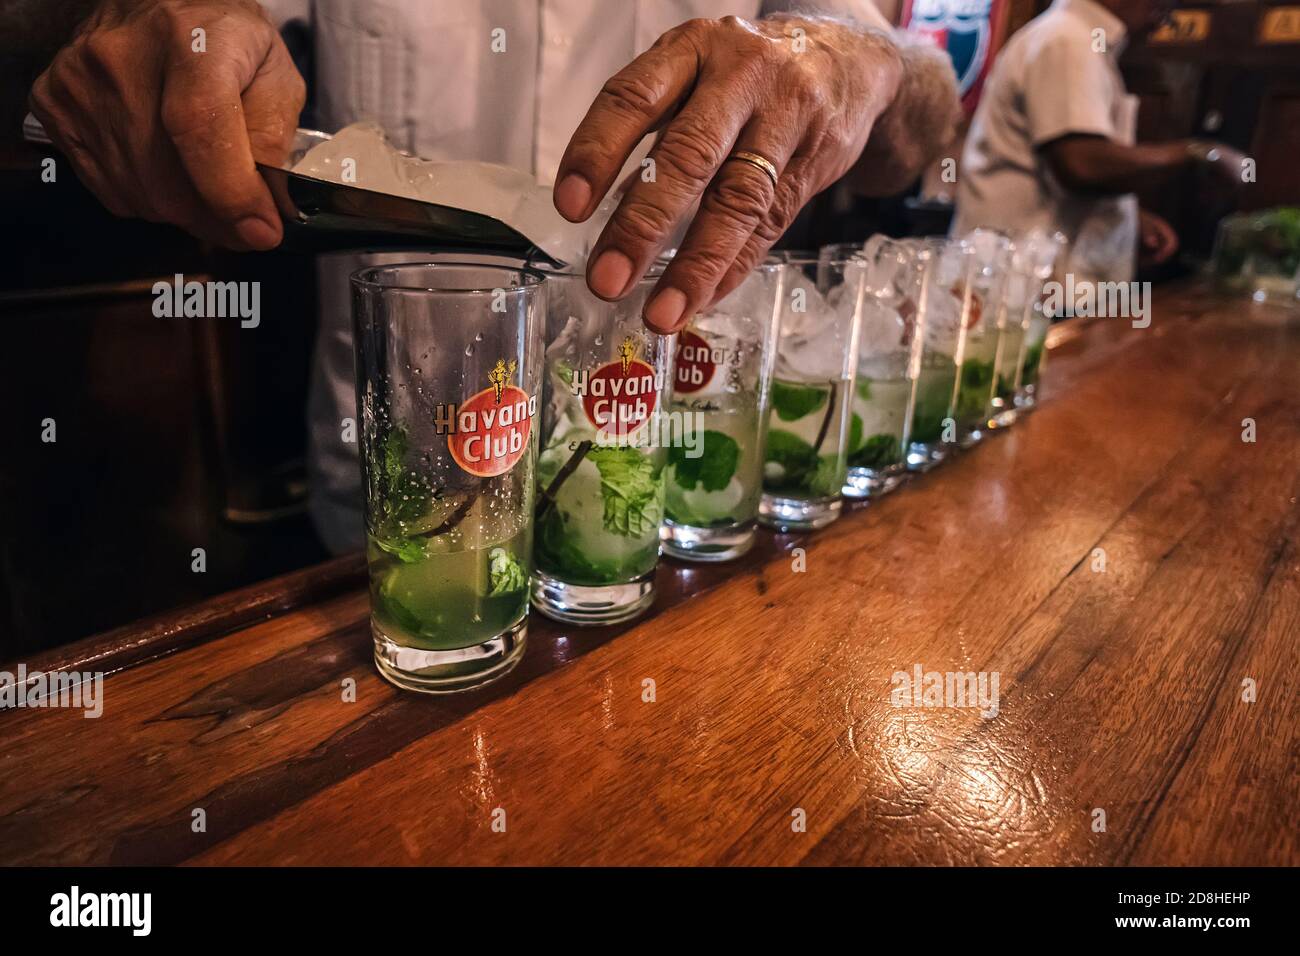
<point>969,30</point>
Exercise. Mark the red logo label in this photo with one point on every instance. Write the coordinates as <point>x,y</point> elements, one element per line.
<point>488,432</point>
<point>620,396</point>
<point>695,365</point>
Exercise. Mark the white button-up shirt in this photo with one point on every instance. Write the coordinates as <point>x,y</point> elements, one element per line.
<point>1057,75</point>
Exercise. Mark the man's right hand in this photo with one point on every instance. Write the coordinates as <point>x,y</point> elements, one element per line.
<point>165,123</point>
<point>1228,165</point>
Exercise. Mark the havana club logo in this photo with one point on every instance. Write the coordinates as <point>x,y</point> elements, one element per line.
<point>620,396</point>
<point>487,433</point>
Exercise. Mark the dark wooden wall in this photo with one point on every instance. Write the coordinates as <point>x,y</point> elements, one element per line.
<point>1217,77</point>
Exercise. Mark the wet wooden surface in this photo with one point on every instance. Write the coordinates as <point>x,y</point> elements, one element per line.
<point>1120,690</point>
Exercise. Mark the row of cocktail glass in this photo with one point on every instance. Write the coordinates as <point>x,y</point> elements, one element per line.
<point>525,442</point>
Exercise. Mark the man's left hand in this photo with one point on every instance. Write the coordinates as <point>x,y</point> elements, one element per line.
<point>802,93</point>
<point>1157,239</point>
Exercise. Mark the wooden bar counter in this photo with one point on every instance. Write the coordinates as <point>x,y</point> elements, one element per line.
<point>1122,559</point>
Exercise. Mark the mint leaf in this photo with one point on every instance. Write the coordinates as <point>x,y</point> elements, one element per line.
<point>793,402</point>
<point>877,452</point>
<point>1033,356</point>
<point>713,469</point>
<point>564,370</point>
<point>864,389</point>
<point>505,573</point>
<point>391,451</point>
<point>827,478</point>
<point>556,552</point>
<point>630,489</point>
<point>407,550</point>
<point>796,459</point>
<point>976,385</point>
<point>855,431</point>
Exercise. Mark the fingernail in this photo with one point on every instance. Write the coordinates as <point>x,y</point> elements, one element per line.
<point>572,196</point>
<point>665,310</point>
<point>610,274</point>
<point>257,233</point>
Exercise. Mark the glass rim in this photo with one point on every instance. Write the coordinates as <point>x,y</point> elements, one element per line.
<point>830,261</point>
<point>566,271</point>
<point>361,278</point>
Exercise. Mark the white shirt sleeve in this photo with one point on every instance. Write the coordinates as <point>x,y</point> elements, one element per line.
<point>1069,87</point>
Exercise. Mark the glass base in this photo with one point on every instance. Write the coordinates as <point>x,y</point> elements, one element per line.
<point>448,672</point>
<point>1002,415</point>
<point>689,543</point>
<point>971,436</point>
<point>872,483</point>
<point>922,456</point>
<point>590,604</point>
<point>798,514</point>
<point>1026,399</point>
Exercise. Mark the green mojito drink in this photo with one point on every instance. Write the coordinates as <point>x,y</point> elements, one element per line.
<point>600,473</point>
<point>1031,364</point>
<point>448,397</point>
<point>932,410</point>
<point>806,447</point>
<point>599,509</point>
<point>890,349</point>
<point>721,388</point>
<point>719,491</point>
<point>878,426</point>
<point>452,589</point>
<point>1024,326</point>
<point>805,456</point>
<point>805,453</point>
<point>972,406</point>
<point>979,289</point>
<point>1006,374</point>
<point>944,310</point>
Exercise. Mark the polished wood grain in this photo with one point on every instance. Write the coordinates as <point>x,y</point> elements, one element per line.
<point>1120,689</point>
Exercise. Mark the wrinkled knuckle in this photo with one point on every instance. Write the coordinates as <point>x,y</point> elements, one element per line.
<point>743,197</point>
<point>699,29</point>
<point>785,206</point>
<point>748,258</point>
<point>104,51</point>
<point>702,271</point>
<point>182,116</point>
<point>693,152</point>
<point>771,229</point>
<point>163,18</point>
<point>588,150</point>
<point>63,67</point>
<point>643,223</point>
<point>806,88</point>
<point>631,94</point>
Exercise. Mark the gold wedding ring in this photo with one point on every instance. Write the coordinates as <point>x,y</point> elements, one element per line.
<point>756,160</point>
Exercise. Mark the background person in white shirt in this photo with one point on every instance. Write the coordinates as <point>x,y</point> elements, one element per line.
<point>158,130</point>
<point>1051,145</point>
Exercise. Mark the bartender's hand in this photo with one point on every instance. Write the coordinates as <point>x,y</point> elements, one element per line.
<point>806,102</point>
<point>158,130</point>
<point>1157,239</point>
